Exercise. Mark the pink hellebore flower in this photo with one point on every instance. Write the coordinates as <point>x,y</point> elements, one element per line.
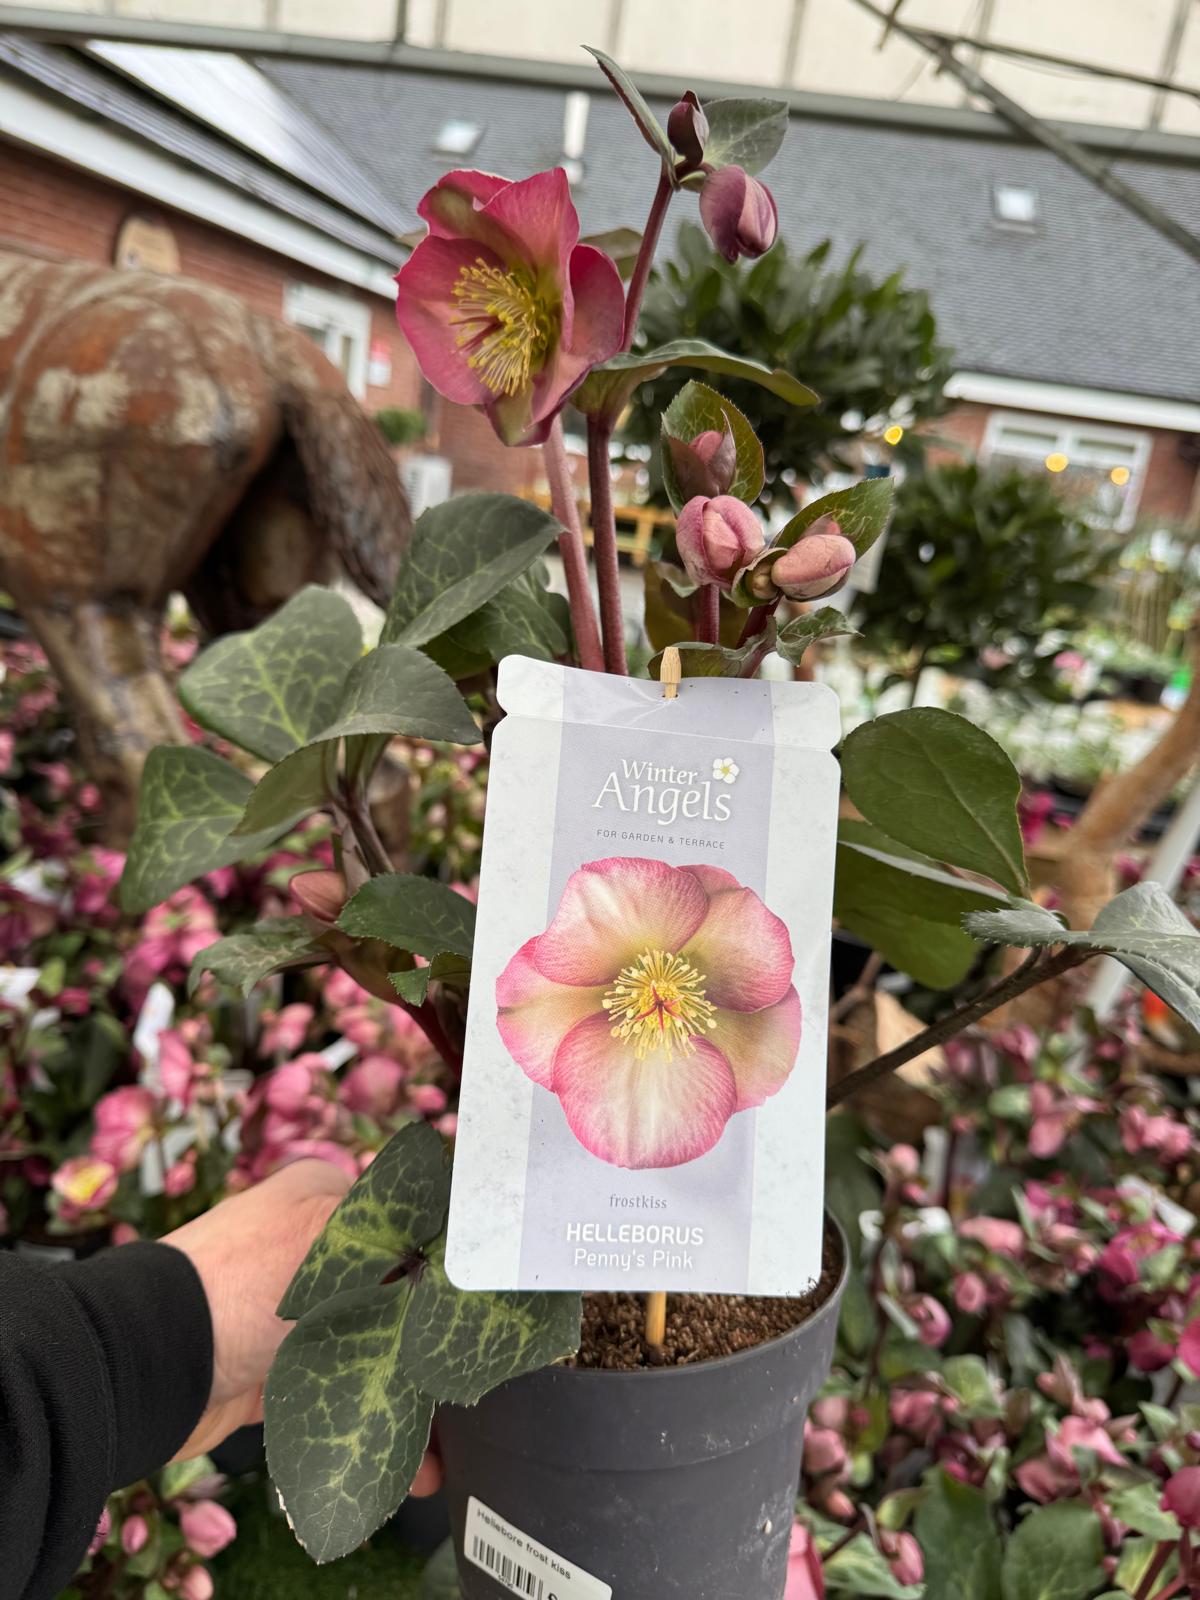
<point>824,1451</point>
<point>903,1555</point>
<point>207,1527</point>
<point>176,1067</point>
<point>995,1234</point>
<point>656,1005</point>
<point>717,537</point>
<point>932,1319</point>
<point>372,1086</point>
<point>805,1577</point>
<point>1055,1475</point>
<point>1181,1494</point>
<point>427,1097</point>
<point>83,1184</point>
<point>103,1529</point>
<point>970,1293</point>
<point>503,307</point>
<point>124,1126</point>
<point>1121,1259</point>
<point>284,1032</point>
<point>738,213</point>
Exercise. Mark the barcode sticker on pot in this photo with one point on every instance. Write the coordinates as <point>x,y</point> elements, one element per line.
<point>522,1565</point>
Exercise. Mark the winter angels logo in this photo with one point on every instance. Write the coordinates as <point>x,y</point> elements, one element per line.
<point>667,793</point>
<point>657,1004</point>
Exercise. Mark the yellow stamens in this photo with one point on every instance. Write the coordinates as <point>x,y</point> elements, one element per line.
<point>506,325</point>
<point>657,1003</point>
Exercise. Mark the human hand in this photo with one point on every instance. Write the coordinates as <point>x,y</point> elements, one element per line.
<point>246,1252</point>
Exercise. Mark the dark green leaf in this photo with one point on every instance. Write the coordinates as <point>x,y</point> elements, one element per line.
<point>933,781</point>
<point>1055,1554</point>
<point>243,959</point>
<point>457,1346</point>
<point>798,635</point>
<point>744,133</point>
<point>1143,928</point>
<point>967,1378</point>
<point>411,913</point>
<point>609,386</point>
<point>462,553</point>
<point>301,783</point>
<point>395,1208</point>
<point>346,1430</point>
<point>699,660</point>
<point>958,1538</point>
<point>859,1569</point>
<point>696,409</point>
<point>861,512</point>
<point>635,103</point>
<point>269,690</point>
<point>398,690</point>
<point>1139,1508</point>
<point>189,802</point>
<point>524,619</point>
<point>413,985</point>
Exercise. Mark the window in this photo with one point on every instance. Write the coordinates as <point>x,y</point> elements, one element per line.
<point>457,137</point>
<point>1103,467</point>
<point>1015,205</point>
<point>338,323</point>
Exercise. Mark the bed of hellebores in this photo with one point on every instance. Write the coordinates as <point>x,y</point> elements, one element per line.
<point>271,971</point>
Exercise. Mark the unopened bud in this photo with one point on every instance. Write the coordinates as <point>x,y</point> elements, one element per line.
<point>704,465</point>
<point>738,213</point>
<point>716,537</point>
<point>687,129</point>
<point>320,895</point>
<point>1182,1496</point>
<point>814,566</point>
<point>135,1533</point>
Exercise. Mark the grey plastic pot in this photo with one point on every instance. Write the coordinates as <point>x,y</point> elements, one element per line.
<point>677,1484</point>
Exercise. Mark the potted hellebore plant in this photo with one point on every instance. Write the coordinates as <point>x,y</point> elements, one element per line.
<point>609,1446</point>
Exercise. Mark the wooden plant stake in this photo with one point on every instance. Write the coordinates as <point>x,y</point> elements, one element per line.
<point>669,673</point>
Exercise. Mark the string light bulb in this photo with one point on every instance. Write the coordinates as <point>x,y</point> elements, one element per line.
<point>894,434</point>
<point>1119,476</point>
<point>1057,462</point>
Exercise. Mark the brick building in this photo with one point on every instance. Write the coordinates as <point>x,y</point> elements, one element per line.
<point>294,183</point>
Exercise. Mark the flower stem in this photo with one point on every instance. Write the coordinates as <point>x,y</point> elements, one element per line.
<point>1161,1556</point>
<point>571,549</point>
<point>645,257</point>
<point>707,609</point>
<point>430,1024</point>
<point>604,545</point>
<point>1033,970</point>
<point>757,621</point>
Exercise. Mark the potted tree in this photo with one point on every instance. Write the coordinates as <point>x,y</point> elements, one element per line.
<point>671,1475</point>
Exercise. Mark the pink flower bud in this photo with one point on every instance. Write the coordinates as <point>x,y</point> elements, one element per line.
<point>932,1320</point>
<point>372,1087</point>
<point>196,1584</point>
<point>134,1535</point>
<point>824,1451</point>
<point>970,1293</point>
<point>687,129</point>
<point>1182,1496</point>
<point>805,1577</point>
<point>704,465</point>
<point>427,1097</point>
<point>716,537</point>
<point>207,1527</point>
<point>321,895</point>
<point>738,213</point>
<point>904,1556</point>
<point>995,1234</point>
<point>286,1090</point>
<point>819,564</point>
<point>1148,1352</point>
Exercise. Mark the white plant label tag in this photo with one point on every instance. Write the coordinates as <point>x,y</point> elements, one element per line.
<point>522,1565</point>
<point>644,1076</point>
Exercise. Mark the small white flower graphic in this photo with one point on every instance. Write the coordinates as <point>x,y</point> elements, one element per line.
<point>725,770</point>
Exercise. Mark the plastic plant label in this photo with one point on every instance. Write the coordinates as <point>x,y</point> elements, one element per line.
<point>644,1077</point>
<point>522,1565</point>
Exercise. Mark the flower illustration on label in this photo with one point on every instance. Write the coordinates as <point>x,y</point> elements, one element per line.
<point>725,770</point>
<point>657,1004</point>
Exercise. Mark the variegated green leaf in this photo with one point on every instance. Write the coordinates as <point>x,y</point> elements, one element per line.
<point>241,960</point>
<point>395,1208</point>
<point>398,690</point>
<point>861,513</point>
<point>301,783</point>
<point>411,913</point>
<point>270,689</point>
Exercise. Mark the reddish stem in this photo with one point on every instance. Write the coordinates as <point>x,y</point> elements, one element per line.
<point>707,612</point>
<point>571,549</point>
<point>604,545</point>
<point>645,257</point>
<point>757,621</point>
<point>430,1024</point>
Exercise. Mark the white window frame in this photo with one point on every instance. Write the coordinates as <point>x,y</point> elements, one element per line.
<point>337,317</point>
<point>1069,434</point>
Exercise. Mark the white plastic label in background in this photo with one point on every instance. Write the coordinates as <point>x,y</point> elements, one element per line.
<point>522,1565</point>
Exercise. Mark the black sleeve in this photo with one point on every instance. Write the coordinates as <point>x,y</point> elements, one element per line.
<point>105,1368</point>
